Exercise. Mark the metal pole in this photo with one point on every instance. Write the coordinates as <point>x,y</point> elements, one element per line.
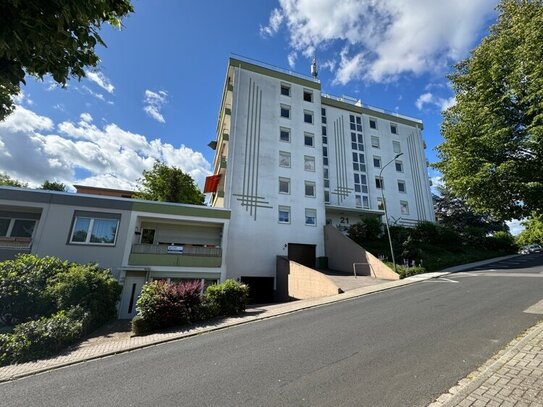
<point>385,208</point>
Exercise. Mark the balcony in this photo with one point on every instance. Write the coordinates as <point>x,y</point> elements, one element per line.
<point>15,243</point>
<point>175,256</point>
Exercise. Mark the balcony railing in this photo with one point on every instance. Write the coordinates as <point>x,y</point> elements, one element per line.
<point>177,250</point>
<point>16,243</point>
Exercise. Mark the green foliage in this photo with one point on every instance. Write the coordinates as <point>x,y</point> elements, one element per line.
<point>502,241</point>
<point>533,231</point>
<point>169,184</point>
<point>162,304</point>
<point>54,186</point>
<point>43,337</point>
<point>23,282</point>
<point>228,298</point>
<point>493,149</point>
<point>140,326</point>
<point>88,286</point>
<point>53,302</point>
<point>55,37</point>
<point>5,179</point>
<point>408,271</point>
<point>369,228</point>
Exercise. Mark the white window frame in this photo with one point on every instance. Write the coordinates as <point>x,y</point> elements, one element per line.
<point>310,113</point>
<point>404,204</point>
<point>308,213</point>
<point>307,159</point>
<point>400,163</point>
<point>310,93</point>
<point>310,184</point>
<point>287,108</point>
<point>395,127</point>
<point>380,204</point>
<point>311,136</point>
<point>378,159</point>
<point>375,142</point>
<point>286,130</point>
<point>381,182</point>
<point>285,86</point>
<point>286,155</point>
<point>396,147</point>
<point>89,231</point>
<point>287,182</point>
<point>286,209</point>
<point>372,120</point>
<point>402,182</point>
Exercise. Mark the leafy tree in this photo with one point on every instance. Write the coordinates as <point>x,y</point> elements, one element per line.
<point>493,150</point>
<point>454,213</point>
<point>56,37</point>
<point>53,186</point>
<point>169,184</point>
<point>533,231</point>
<point>6,180</point>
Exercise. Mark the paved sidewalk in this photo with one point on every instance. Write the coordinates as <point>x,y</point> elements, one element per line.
<point>122,340</point>
<point>513,377</point>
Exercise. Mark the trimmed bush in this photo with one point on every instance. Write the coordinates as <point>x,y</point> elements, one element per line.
<point>163,304</point>
<point>88,286</point>
<point>140,326</point>
<point>409,271</point>
<point>228,298</point>
<point>43,337</point>
<point>22,287</point>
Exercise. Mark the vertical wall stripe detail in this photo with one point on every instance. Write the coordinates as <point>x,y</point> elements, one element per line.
<point>249,195</point>
<point>416,174</point>
<point>342,190</point>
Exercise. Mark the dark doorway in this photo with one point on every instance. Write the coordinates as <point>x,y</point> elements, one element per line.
<point>260,289</point>
<point>304,254</point>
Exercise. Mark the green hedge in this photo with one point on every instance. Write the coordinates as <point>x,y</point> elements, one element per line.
<point>162,305</point>
<point>51,303</point>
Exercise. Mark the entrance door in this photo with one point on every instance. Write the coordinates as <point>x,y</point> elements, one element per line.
<point>131,292</point>
<point>304,254</point>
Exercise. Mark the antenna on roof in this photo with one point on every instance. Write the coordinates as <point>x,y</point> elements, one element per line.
<point>314,71</point>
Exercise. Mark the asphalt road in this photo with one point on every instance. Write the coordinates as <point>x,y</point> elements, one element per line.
<point>402,347</point>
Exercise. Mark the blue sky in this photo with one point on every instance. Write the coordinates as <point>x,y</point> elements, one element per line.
<point>157,91</point>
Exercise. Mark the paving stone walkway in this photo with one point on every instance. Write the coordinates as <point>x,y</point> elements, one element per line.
<point>513,377</point>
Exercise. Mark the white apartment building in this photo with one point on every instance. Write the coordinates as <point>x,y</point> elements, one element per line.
<point>290,159</point>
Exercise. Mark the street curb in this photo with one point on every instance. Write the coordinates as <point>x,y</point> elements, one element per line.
<point>300,306</point>
<point>472,381</point>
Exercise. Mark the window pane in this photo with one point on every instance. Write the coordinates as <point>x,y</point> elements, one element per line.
<point>396,146</point>
<point>308,117</point>
<point>309,163</point>
<point>81,229</point>
<point>308,96</point>
<point>104,231</point>
<point>399,166</point>
<point>284,214</point>
<point>324,130</point>
<point>285,112</point>
<point>309,189</point>
<point>4,225</point>
<point>373,124</point>
<point>284,159</point>
<point>285,90</point>
<point>308,140</point>
<point>23,228</point>
<point>310,216</point>
<point>284,186</point>
<point>148,236</point>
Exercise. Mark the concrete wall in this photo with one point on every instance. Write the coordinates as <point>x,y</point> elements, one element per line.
<point>342,253</point>
<point>304,283</point>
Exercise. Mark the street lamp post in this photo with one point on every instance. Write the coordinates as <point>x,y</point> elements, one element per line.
<point>385,208</point>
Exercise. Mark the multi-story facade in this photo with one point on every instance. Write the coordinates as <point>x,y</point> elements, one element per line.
<point>290,159</point>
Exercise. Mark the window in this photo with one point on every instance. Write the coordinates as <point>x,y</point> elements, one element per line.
<point>323,111</point>
<point>324,130</point>
<point>94,230</point>
<point>309,140</point>
<point>285,111</point>
<point>365,201</point>
<point>358,201</point>
<point>285,90</point>
<point>308,96</point>
<point>309,189</point>
<point>379,183</point>
<point>309,163</point>
<point>327,196</point>
<point>284,214</point>
<point>401,186</point>
<point>311,217</point>
<point>148,236</point>
<point>399,166</point>
<point>393,128</point>
<point>12,227</point>
<point>308,117</point>
<point>375,141</point>
<point>404,207</point>
<point>284,134</point>
<point>373,124</point>
<point>376,161</point>
<point>396,147</point>
<point>380,204</point>
<point>284,185</point>
<point>284,159</point>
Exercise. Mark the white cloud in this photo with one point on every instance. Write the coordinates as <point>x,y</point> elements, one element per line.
<point>431,99</point>
<point>154,101</point>
<point>35,149</point>
<point>385,38</point>
<point>292,59</point>
<point>276,18</point>
<point>92,93</point>
<point>100,79</point>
